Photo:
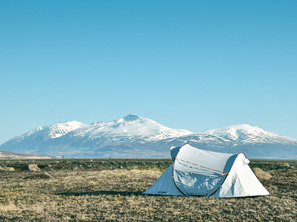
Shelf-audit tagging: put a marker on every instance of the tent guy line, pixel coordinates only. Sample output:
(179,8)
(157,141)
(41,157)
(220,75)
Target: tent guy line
(221,172)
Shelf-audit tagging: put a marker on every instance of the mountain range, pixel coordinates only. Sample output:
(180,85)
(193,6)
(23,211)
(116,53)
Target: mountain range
(136,137)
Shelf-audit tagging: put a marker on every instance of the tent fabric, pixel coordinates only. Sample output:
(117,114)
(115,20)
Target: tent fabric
(164,185)
(174,151)
(196,172)
(241,181)
(200,172)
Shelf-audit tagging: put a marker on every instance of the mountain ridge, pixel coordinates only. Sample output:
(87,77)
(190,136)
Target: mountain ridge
(135,136)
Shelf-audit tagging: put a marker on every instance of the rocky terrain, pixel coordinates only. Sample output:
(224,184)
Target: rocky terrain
(111,190)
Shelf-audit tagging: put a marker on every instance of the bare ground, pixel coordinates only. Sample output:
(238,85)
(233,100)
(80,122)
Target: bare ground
(113,192)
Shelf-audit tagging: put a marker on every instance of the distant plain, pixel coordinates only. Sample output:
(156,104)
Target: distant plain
(111,190)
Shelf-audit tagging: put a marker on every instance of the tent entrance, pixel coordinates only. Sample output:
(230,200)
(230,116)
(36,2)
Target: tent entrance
(194,181)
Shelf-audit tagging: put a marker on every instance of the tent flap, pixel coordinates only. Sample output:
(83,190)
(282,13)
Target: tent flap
(164,185)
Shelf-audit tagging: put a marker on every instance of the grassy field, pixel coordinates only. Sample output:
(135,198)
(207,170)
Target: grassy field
(111,190)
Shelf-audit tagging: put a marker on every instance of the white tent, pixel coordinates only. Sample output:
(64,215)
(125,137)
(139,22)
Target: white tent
(196,172)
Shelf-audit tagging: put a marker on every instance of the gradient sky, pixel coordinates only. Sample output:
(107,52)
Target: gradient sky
(194,65)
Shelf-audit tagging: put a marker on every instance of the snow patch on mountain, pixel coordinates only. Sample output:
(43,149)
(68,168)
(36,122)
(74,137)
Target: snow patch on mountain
(130,126)
(247,134)
(51,132)
(61,129)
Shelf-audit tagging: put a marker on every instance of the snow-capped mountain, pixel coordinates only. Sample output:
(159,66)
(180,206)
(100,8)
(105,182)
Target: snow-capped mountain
(245,134)
(130,126)
(53,131)
(135,136)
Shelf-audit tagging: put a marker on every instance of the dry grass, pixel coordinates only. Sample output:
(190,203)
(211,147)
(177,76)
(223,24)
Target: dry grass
(86,194)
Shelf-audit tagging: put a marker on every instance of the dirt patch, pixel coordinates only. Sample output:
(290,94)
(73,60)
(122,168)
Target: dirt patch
(262,175)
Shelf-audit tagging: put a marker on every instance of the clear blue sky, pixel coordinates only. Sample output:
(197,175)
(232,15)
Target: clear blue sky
(186,64)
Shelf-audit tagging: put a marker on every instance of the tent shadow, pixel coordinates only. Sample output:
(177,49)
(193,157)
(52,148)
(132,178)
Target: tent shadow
(101,192)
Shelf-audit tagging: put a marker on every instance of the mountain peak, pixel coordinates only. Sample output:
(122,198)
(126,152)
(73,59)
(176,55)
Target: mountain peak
(131,117)
(72,123)
(245,133)
(238,127)
(61,129)
(133,126)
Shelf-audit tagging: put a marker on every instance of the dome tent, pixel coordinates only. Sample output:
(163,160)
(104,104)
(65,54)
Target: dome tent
(196,172)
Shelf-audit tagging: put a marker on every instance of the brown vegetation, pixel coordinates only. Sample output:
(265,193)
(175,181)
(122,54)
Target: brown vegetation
(111,190)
